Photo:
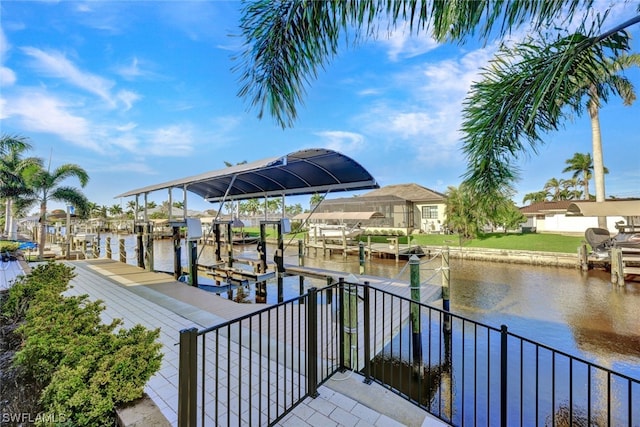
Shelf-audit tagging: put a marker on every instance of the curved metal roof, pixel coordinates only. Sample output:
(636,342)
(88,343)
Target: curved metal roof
(309,171)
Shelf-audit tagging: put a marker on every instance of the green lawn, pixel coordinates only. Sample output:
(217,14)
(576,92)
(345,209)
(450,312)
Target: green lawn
(516,241)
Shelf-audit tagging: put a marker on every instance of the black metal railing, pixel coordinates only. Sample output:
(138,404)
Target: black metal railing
(256,369)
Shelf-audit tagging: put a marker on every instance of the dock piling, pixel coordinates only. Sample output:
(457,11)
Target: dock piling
(416,336)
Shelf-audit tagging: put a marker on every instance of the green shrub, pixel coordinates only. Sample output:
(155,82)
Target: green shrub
(9,246)
(84,367)
(50,277)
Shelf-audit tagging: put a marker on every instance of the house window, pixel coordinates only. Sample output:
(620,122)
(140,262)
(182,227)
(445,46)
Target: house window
(429,212)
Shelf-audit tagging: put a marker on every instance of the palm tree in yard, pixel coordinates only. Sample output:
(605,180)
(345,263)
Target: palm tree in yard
(538,196)
(47,186)
(581,164)
(12,168)
(596,90)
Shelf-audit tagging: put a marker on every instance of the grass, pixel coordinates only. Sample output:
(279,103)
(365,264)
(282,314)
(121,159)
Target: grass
(508,241)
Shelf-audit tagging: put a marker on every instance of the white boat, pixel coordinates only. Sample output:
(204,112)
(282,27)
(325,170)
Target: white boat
(329,231)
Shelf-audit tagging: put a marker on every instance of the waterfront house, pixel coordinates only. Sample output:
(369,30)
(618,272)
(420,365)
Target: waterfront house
(404,207)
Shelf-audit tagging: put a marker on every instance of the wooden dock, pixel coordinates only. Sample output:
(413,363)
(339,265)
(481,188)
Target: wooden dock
(393,249)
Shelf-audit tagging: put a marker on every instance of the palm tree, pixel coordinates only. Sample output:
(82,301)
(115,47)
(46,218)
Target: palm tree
(582,167)
(46,186)
(536,197)
(286,44)
(524,95)
(115,210)
(596,90)
(554,187)
(12,168)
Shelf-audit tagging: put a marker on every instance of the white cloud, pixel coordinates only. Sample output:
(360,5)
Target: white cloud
(55,64)
(401,43)
(39,112)
(342,141)
(128,98)
(7,76)
(175,140)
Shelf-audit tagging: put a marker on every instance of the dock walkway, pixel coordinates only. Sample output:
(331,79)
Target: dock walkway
(157,300)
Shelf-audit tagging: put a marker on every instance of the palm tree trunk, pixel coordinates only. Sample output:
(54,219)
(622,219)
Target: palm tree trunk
(7,216)
(598,162)
(43,229)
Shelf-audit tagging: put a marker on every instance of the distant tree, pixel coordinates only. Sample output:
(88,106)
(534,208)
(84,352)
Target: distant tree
(47,186)
(12,169)
(293,210)
(115,210)
(536,197)
(463,212)
(315,200)
(274,205)
(554,187)
(582,167)
(179,205)
(508,216)
(251,207)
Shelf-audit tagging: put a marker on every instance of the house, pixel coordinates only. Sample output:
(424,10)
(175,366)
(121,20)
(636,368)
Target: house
(552,217)
(405,207)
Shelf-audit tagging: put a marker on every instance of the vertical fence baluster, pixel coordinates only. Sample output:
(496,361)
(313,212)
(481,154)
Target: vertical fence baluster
(503,375)
(187,378)
(367,335)
(312,343)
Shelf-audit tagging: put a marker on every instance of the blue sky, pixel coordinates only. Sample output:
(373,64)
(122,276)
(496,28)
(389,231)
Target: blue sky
(140,93)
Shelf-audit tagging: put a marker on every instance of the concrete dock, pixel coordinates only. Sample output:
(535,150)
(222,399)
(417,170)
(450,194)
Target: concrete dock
(157,300)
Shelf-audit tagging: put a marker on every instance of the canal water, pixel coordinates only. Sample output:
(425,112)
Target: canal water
(580,313)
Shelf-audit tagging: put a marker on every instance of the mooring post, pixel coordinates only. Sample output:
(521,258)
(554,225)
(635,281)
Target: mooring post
(361,256)
(123,251)
(139,246)
(350,315)
(583,256)
(416,336)
(300,253)
(149,246)
(617,267)
(446,282)
(177,252)
(108,248)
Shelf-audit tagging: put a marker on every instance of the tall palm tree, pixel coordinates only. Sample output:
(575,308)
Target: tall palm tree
(581,164)
(596,91)
(12,168)
(47,186)
(524,94)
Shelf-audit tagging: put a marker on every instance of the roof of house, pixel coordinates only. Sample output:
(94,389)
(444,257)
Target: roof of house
(412,192)
(546,206)
(585,207)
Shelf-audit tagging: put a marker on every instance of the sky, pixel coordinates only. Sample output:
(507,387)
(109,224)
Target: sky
(139,93)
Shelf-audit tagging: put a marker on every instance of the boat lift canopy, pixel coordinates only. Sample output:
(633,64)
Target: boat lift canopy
(609,208)
(307,171)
